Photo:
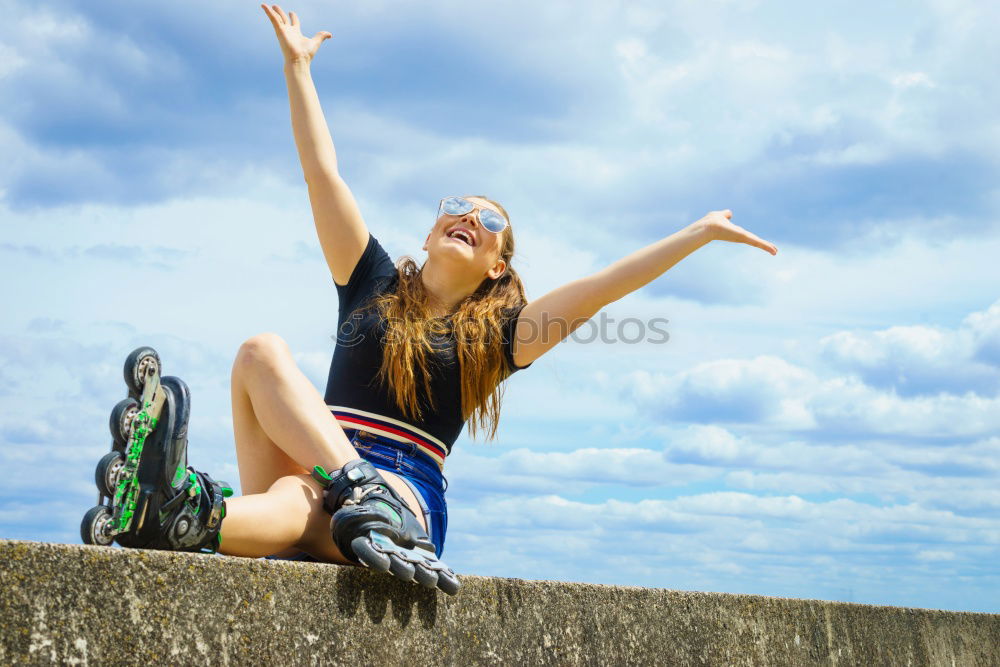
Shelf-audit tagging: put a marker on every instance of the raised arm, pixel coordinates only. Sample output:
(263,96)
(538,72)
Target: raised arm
(341,229)
(546,321)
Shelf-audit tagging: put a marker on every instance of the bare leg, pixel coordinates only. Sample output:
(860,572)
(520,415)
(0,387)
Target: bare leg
(282,428)
(276,407)
(289,514)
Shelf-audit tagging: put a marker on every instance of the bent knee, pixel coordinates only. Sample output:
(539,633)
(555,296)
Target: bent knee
(299,495)
(266,349)
(301,485)
(314,535)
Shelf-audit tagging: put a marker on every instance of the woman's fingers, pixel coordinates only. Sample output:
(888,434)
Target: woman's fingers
(754,240)
(277,20)
(279,27)
(281,13)
(764,245)
(271,15)
(293,18)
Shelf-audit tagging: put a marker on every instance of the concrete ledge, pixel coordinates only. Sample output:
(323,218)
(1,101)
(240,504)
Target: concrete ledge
(99,605)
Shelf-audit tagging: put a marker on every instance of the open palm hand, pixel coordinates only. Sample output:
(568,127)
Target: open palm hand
(294,45)
(721,228)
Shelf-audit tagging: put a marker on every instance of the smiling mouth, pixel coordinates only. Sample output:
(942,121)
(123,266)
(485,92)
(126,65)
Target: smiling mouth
(462,236)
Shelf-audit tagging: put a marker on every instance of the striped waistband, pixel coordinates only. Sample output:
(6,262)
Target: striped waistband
(391,428)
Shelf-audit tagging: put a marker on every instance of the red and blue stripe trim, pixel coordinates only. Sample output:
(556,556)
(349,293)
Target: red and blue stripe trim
(391,428)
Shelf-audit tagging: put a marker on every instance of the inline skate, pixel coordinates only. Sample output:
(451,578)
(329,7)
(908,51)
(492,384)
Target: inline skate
(373,526)
(148,496)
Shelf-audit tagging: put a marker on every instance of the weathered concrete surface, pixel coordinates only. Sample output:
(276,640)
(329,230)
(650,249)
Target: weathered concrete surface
(74,604)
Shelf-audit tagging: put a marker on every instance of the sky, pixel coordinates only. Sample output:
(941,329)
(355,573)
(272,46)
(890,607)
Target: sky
(822,424)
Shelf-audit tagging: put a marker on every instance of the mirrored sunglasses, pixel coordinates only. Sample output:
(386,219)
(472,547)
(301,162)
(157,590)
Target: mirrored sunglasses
(488,218)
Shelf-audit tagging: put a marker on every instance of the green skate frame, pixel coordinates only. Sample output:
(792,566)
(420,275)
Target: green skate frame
(151,405)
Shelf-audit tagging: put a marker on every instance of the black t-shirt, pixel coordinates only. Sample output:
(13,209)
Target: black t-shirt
(353,391)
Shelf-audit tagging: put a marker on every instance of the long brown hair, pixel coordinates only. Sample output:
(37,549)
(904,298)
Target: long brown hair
(476,327)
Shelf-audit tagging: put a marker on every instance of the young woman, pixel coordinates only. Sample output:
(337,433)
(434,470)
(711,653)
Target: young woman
(421,351)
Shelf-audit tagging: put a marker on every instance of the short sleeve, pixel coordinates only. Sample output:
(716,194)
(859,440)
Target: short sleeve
(509,327)
(373,267)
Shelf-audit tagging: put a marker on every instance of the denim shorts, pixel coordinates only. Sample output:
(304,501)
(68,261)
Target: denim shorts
(418,470)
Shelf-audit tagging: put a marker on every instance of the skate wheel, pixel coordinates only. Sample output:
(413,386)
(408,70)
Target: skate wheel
(108,471)
(424,577)
(401,569)
(364,550)
(121,422)
(139,366)
(448,582)
(96,526)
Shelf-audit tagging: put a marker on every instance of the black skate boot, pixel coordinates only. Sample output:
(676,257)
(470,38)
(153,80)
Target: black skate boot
(155,500)
(372,526)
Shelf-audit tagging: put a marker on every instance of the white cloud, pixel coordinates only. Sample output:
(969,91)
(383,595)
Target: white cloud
(907,372)
(921,359)
(687,542)
(984,330)
(725,390)
(10,60)
(910,79)
(521,470)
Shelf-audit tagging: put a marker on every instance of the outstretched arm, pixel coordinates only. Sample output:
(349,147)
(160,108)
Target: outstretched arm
(342,231)
(549,319)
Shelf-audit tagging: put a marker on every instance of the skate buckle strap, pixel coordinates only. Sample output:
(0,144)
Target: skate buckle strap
(347,485)
(216,516)
(218,495)
(322,476)
(196,483)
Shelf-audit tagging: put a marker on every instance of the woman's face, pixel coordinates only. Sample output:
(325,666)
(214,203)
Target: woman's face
(447,240)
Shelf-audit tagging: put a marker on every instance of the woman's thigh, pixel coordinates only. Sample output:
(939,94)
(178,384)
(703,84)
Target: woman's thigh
(261,462)
(281,422)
